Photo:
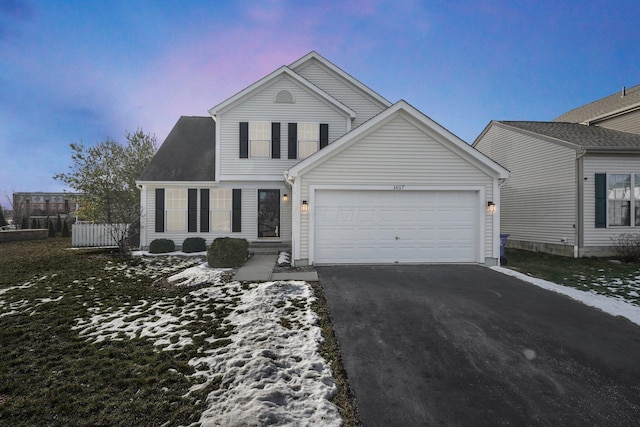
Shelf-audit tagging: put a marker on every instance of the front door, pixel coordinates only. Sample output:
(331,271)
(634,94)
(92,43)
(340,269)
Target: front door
(268,213)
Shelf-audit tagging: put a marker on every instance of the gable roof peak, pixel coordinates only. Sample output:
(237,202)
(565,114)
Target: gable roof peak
(283,70)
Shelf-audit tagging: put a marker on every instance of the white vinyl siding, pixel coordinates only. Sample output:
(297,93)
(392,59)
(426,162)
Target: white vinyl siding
(538,200)
(261,107)
(364,106)
(249,216)
(609,164)
(398,154)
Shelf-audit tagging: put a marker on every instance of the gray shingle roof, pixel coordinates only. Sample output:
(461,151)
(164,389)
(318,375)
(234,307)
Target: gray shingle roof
(602,106)
(589,137)
(187,154)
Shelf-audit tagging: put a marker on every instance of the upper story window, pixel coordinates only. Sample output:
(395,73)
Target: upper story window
(260,139)
(308,139)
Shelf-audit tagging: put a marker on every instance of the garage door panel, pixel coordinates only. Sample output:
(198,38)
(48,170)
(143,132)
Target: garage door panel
(395,226)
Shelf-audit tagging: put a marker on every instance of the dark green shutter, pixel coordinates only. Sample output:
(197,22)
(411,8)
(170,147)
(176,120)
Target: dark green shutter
(236,211)
(275,140)
(244,140)
(204,210)
(293,140)
(601,200)
(192,210)
(159,210)
(324,135)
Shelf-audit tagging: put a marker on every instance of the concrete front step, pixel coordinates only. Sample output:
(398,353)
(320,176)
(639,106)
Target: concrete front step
(268,247)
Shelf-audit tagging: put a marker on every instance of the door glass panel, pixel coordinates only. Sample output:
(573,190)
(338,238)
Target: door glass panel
(268,213)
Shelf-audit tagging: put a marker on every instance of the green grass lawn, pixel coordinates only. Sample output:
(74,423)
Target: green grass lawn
(60,366)
(601,276)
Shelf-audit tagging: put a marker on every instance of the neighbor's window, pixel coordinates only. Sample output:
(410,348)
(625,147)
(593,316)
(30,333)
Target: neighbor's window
(220,210)
(260,139)
(636,198)
(619,195)
(176,207)
(308,139)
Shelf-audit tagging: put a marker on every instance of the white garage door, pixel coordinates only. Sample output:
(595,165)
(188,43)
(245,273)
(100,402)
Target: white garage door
(395,226)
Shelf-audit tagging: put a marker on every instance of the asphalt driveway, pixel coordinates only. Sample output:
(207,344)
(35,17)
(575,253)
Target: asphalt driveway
(465,345)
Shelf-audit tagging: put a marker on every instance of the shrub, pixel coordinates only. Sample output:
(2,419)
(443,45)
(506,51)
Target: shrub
(24,223)
(228,252)
(194,244)
(65,229)
(162,246)
(3,220)
(626,247)
(34,224)
(58,224)
(52,230)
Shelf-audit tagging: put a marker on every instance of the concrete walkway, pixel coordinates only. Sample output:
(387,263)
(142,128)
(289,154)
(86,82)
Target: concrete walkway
(259,268)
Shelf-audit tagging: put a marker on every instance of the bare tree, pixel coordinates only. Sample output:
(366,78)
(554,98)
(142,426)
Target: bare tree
(105,175)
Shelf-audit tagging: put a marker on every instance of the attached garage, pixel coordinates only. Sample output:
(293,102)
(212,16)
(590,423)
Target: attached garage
(398,189)
(378,226)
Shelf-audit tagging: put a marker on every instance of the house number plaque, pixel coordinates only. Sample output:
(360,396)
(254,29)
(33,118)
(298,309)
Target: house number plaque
(398,187)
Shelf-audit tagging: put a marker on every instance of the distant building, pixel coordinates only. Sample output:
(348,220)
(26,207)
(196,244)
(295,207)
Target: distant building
(42,205)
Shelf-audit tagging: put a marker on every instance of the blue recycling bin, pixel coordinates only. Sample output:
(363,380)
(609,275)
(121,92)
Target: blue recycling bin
(503,243)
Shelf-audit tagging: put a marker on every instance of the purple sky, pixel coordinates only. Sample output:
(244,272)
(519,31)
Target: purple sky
(82,71)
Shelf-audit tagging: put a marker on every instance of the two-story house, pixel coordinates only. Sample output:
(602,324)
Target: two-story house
(575,181)
(311,157)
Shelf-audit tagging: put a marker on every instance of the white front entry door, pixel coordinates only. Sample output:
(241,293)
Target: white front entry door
(362,226)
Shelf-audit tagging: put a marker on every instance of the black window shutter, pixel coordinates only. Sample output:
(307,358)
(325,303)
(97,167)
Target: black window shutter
(236,212)
(324,135)
(601,200)
(275,140)
(159,210)
(293,140)
(192,210)
(204,210)
(244,140)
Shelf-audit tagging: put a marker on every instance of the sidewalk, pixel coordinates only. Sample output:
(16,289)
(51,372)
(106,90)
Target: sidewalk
(259,268)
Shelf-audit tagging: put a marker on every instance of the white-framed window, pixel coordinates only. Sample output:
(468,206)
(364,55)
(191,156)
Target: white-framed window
(176,209)
(260,139)
(220,205)
(623,193)
(308,139)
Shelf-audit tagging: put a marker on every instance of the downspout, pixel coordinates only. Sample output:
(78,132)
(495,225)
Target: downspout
(579,220)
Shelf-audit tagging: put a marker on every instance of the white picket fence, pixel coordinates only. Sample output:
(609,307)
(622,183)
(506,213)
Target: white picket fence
(96,235)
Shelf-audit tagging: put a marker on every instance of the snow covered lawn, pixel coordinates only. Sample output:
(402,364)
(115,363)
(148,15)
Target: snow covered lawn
(266,360)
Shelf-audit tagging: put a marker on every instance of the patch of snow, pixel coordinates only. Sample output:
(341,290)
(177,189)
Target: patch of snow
(283,258)
(199,275)
(271,374)
(613,306)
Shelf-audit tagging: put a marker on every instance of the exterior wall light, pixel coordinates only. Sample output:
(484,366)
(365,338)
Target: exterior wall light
(285,198)
(491,207)
(304,207)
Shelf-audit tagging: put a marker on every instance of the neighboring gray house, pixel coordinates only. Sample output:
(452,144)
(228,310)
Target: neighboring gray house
(312,158)
(575,181)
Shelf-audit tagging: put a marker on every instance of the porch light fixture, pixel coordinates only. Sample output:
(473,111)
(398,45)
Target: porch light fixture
(304,207)
(285,198)
(491,207)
